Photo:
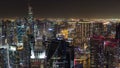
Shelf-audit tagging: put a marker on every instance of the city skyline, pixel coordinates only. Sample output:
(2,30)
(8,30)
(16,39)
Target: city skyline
(61,8)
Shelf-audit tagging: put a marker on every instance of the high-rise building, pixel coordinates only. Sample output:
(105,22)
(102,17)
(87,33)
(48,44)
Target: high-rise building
(82,33)
(30,13)
(60,54)
(4,31)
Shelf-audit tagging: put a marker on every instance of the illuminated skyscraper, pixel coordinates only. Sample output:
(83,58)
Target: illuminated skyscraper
(30,12)
(82,32)
(25,35)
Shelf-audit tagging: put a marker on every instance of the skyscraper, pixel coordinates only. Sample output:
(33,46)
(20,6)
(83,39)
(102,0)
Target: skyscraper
(30,12)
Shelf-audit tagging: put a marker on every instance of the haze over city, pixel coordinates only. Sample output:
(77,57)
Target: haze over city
(62,8)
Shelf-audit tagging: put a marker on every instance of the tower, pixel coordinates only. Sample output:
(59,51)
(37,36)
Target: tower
(30,12)
(30,19)
(26,34)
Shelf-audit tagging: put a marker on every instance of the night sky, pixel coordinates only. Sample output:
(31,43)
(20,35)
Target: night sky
(62,8)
